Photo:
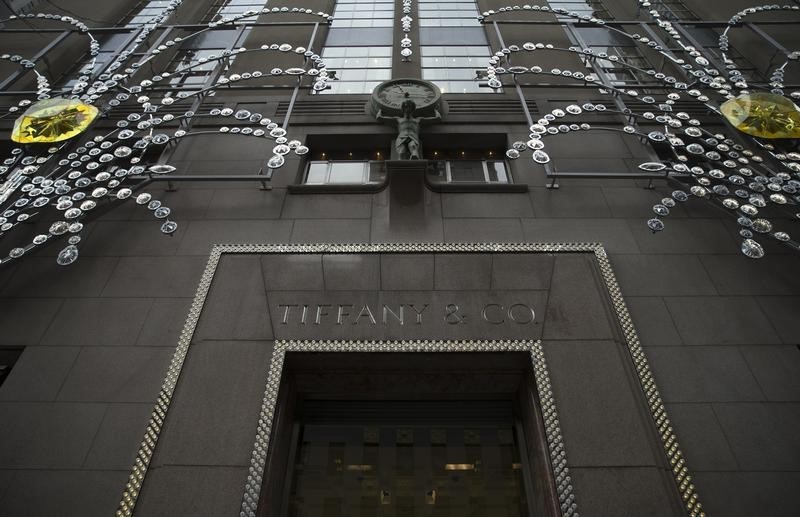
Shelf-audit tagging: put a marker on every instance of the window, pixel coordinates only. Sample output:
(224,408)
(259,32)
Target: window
(454,67)
(618,50)
(618,73)
(467,158)
(674,10)
(447,13)
(358,48)
(109,47)
(453,46)
(581,7)
(471,171)
(147,11)
(483,171)
(709,40)
(320,173)
(363,13)
(358,69)
(196,75)
(200,51)
(356,172)
(230,8)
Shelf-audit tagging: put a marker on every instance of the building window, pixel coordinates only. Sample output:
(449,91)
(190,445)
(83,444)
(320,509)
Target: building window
(230,8)
(447,13)
(195,60)
(454,67)
(709,40)
(195,71)
(675,10)
(363,13)
(470,171)
(345,172)
(358,48)
(452,48)
(619,74)
(621,54)
(358,69)
(146,12)
(109,48)
(483,171)
(467,158)
(581,7)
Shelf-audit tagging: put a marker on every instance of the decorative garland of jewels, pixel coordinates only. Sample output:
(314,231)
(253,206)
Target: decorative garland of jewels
(743,172)
(76,175)
(754,168)
(405,43)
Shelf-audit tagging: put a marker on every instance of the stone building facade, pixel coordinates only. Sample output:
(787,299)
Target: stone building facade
(567,292)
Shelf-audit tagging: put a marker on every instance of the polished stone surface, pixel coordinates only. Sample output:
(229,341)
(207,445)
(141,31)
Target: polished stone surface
(361,296)
(732,354)
(215,408)
(720,330)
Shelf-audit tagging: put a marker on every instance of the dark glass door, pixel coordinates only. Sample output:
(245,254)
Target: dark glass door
(406,459)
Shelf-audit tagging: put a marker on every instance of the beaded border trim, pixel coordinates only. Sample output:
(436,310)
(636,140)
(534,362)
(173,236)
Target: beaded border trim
(555,443)
(669,441)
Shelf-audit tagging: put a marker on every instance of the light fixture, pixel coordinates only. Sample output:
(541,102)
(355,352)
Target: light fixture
(359,468)
(459,466)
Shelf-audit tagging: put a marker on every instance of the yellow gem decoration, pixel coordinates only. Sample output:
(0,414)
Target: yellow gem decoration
(53,120)
(765,115)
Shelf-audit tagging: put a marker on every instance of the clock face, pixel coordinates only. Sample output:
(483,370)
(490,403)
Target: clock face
(392,94)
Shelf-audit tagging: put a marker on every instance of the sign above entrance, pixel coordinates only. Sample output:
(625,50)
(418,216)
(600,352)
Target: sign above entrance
(402,314)
(484,314)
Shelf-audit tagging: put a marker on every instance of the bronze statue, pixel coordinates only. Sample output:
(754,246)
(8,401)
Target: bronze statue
(407,145)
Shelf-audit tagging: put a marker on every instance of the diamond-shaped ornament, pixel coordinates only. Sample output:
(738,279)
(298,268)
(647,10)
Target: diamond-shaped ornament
(53,120)
(763,115)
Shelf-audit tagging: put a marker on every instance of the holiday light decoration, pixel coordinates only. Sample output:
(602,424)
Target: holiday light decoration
(69,166)
(748,166)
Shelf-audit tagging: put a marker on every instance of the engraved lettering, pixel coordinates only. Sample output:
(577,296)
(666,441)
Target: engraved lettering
(321,312)
(523,315)
(342,314)
(365,311)
(418,311)
(497,310)
(451,315)
(492,313)
(387,311)
(287,310)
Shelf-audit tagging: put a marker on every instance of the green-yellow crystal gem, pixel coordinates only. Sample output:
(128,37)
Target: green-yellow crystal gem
(53,120)
(765,115)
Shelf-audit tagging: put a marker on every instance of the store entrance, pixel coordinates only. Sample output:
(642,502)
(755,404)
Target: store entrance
(407,435)
(407,458)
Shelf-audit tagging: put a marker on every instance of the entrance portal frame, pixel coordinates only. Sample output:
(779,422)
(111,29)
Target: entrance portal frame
(663,426)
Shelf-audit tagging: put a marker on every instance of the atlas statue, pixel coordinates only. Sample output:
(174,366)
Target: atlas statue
(407,145)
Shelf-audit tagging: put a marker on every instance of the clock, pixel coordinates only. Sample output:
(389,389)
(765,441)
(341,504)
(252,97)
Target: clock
(389,96)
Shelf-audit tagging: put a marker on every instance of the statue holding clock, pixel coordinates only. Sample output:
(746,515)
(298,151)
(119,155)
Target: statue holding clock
(407,102)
